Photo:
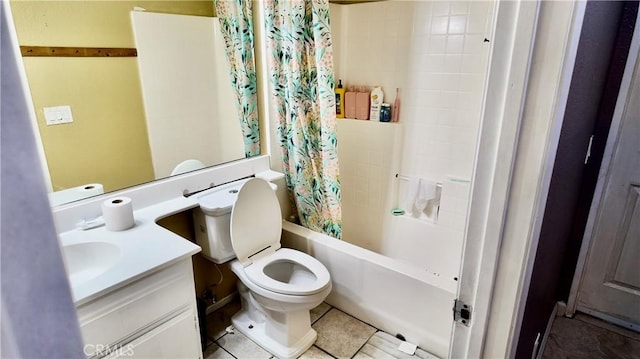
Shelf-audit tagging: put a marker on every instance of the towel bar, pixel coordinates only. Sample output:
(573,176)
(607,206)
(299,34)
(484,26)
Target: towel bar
(406,178)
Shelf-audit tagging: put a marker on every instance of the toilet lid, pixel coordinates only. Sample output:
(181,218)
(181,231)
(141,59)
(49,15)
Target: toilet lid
(256,221)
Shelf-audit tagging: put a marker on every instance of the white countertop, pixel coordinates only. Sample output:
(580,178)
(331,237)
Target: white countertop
(145,248)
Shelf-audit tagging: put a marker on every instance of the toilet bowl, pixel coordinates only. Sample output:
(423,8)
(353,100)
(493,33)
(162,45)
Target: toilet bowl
(278,286)
(277,321)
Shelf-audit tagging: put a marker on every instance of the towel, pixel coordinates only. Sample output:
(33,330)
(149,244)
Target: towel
(426,191)
(417,194)
(410,194)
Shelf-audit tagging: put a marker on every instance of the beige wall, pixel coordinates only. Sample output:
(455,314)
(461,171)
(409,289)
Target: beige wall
(107,142)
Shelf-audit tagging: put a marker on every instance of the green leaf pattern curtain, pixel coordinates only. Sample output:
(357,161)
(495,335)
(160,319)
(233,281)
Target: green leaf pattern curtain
(301,72)
(235,18)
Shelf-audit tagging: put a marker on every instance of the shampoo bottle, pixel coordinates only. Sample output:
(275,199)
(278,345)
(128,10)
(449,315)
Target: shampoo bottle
(362,104)
(339,100)
(376,103)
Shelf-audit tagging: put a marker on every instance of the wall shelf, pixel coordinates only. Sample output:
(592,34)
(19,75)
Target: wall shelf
(366,121)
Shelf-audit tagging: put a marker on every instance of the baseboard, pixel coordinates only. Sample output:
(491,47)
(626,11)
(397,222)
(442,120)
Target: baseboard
(221,303)
(607,318)
(539,350)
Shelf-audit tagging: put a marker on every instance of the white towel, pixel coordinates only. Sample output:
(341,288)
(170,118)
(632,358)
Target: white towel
(410,194)
(426,191)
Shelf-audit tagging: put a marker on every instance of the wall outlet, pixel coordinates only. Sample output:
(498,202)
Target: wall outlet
(57,115)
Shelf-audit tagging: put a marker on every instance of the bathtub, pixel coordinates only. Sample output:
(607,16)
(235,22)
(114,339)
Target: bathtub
(388,294)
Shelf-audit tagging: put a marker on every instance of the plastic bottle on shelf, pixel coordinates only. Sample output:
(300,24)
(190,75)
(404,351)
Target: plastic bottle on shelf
(340,100)
(377,97)
(350,103)
(362,103)
(385,112)
(395,112)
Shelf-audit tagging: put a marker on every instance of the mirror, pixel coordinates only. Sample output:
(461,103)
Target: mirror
(112,141)
(435,53)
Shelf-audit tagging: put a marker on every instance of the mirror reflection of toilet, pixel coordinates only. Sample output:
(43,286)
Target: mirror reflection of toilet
(278,286)
(187,166)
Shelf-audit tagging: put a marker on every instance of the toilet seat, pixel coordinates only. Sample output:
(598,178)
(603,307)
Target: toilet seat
(306,286)
(256,228)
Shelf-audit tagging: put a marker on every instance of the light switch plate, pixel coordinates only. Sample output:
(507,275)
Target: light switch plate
(57,115)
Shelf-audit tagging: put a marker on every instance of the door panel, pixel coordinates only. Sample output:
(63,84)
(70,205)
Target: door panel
(611,282)
(625,264)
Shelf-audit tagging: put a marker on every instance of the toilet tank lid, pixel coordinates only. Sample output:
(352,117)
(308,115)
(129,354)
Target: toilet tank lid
(218,203)
(221,202)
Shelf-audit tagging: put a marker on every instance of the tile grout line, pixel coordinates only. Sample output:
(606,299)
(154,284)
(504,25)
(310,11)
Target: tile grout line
(360,320)
(323,314)
(210,341)
(366,342)
(228,352)
(317,320)
(223,348)
(324,351)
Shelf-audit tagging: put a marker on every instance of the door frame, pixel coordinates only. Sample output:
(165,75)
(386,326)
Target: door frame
(607,161)
(512,157)
(514,29)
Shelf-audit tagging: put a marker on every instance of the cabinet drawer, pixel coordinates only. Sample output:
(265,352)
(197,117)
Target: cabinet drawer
(113,318)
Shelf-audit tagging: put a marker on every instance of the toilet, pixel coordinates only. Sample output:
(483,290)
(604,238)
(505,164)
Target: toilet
(278,286)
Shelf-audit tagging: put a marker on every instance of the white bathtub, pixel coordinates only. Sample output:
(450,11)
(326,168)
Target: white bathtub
(386,293)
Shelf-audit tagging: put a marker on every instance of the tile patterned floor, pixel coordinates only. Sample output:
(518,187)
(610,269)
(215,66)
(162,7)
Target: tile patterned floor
(331,330)
(587,337)
(339,336)
(343,336)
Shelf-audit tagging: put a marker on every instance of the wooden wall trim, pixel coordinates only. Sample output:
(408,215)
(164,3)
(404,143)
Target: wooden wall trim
(59,51)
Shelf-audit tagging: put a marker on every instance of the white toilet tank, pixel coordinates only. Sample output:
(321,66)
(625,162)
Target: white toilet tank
(212,221)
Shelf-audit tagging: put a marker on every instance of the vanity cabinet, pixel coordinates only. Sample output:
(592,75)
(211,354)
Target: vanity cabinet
(154,316)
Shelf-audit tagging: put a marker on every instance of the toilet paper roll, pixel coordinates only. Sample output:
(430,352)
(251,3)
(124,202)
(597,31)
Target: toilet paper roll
(118,214)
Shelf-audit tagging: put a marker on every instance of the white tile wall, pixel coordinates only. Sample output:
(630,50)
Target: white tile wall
(435,52)
(369,154)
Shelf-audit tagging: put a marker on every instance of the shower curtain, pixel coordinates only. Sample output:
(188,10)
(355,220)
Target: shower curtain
(302,89)
(237,28)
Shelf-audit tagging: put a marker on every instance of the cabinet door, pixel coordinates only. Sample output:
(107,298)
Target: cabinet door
(177,338)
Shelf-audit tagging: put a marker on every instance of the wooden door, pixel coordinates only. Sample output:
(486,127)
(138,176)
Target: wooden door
(610,286)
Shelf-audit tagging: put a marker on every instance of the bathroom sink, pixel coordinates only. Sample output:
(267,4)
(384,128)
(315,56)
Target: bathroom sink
(85,261)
